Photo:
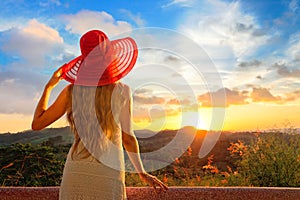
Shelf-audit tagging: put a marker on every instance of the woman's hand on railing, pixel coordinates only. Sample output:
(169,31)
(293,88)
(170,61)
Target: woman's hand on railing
(153,181)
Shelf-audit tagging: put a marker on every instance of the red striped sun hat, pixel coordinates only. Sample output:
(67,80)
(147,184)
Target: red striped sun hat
(101,61)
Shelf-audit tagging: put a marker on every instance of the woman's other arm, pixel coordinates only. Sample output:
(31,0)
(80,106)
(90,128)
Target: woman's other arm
(130,144)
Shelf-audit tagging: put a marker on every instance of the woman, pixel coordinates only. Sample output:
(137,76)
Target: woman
(98,109)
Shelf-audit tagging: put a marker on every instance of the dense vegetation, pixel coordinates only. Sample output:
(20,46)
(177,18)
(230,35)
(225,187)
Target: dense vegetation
(238,159)
(28,165)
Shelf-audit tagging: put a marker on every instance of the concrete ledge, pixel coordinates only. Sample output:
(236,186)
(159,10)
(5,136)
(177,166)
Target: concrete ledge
(178,193)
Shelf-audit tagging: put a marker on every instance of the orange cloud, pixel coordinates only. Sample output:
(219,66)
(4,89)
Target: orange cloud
(292,96)
(232,97)
(178,102)
(263,95)
(148,114)
(148,100)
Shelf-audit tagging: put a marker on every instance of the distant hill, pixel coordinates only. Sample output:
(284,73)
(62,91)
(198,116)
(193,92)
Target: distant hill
(149,141)
(62,135)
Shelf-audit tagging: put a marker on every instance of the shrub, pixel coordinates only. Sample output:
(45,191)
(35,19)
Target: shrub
(272,160)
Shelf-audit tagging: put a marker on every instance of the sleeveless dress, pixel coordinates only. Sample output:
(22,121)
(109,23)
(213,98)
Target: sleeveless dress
(97,177)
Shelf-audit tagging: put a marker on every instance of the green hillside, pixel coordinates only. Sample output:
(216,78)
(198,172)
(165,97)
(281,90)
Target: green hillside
(58,135)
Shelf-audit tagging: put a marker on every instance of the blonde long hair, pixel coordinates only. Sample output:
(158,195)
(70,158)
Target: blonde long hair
(86,101)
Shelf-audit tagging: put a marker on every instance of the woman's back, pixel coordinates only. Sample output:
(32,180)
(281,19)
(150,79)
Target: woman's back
(97,153)
(95,120)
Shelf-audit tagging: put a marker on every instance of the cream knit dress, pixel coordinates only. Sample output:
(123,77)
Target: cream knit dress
(91,178)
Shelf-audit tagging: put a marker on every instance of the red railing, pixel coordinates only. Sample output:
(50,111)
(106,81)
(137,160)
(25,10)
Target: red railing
(174,193)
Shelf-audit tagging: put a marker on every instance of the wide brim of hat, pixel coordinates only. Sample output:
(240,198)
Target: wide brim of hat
(125,54)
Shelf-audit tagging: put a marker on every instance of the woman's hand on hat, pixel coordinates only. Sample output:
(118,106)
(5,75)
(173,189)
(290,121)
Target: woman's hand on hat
(153,181)
(56,77)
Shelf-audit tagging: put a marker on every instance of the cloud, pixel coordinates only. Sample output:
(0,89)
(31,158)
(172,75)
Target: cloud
(19,91)
(34,42)
(7,24)
(232,98)
(293,5)
(173,60)
(179,102)
(137,19)
(148,100)
(224,30)
(85,20)
(142,91)
(293,51)
(292,96)
(150,113)
(181,3)
(263,95)
(260,94)
(162,69)
(284,71)
(253,63)
(259,77)
(235,97)
(48,3)
(149,109)
(33,49)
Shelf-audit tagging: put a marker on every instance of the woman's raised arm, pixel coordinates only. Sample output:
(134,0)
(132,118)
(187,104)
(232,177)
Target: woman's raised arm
(45,115)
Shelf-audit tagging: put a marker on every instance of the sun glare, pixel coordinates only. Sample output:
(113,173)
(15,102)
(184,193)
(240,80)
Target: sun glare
(195,119)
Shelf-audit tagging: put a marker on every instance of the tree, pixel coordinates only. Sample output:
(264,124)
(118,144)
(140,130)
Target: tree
(28,165)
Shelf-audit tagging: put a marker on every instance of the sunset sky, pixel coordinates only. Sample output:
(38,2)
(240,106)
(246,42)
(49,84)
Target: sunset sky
(213,64)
